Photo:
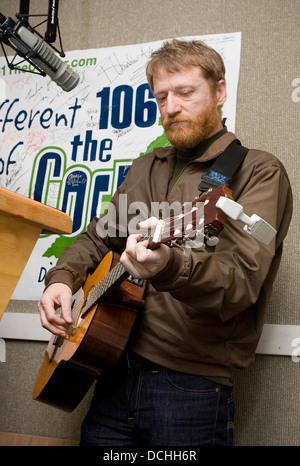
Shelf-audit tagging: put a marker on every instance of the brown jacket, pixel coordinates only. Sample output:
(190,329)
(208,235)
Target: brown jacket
(207,319)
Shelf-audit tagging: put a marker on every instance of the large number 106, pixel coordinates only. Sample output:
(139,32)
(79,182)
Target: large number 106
(118,108)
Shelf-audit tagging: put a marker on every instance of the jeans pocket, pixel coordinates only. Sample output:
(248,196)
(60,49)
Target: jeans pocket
(190,383)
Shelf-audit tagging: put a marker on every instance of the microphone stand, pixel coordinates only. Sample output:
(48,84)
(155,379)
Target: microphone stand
(9,28)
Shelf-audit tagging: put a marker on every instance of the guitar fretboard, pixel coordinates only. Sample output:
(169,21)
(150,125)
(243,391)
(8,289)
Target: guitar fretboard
(103,286)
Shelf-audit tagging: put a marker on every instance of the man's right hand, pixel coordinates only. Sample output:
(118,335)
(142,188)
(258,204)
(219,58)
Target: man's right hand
(56,295)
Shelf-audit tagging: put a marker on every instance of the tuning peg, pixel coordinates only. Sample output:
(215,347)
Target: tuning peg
(175,244)
(211,240)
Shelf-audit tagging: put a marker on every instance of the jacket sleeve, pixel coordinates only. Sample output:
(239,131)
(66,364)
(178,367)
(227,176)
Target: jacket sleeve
(85,254)
(78,259)
(229,279)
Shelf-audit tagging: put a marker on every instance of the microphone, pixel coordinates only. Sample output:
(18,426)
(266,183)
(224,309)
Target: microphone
(31,47)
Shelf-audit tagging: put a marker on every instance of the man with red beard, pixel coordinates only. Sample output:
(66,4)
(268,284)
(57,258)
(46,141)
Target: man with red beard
(204,307)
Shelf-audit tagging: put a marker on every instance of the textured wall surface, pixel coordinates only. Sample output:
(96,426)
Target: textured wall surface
(268,117)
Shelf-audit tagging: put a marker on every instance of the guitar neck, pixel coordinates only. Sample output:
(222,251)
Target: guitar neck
(166,232)
(113,278)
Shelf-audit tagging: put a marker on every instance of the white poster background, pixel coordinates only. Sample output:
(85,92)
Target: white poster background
(93,133)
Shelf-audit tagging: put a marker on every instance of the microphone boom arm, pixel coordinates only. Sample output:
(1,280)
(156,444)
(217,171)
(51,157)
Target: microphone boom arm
(21,37)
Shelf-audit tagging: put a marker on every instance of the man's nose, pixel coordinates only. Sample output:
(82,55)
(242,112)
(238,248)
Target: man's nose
(173,105)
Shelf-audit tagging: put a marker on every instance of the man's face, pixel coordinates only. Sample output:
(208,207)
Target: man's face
(188,106)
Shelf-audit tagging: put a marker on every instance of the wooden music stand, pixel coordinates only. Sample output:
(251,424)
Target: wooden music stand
(22,220)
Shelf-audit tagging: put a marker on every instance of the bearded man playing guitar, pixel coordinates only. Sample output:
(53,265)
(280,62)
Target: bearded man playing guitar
(202,310)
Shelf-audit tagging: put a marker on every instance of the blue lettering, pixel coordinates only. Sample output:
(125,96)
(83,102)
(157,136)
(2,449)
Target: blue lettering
(122,172)
(42,274)
(145,111)
(45,118)
(106,144)
(61,117)
(9,161)
(75,143)
(48,168)
(20,118)
(104,108)
(90,146)
(76,191)
(75,107)
(124,93)
(120,111)
(8,120)
(101,184)
(31,118)
(89,142)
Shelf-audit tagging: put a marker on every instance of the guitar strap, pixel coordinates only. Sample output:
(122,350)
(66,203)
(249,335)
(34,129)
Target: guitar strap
(224,167)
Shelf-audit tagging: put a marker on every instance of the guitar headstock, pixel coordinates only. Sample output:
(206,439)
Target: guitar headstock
(198,221)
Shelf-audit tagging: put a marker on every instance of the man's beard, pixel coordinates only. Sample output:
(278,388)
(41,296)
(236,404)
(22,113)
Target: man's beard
(192,131)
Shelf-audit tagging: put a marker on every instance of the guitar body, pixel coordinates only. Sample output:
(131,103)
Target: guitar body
(69,367)
(100,331)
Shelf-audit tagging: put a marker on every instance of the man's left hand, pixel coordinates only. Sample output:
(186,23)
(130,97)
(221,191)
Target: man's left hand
(140,261)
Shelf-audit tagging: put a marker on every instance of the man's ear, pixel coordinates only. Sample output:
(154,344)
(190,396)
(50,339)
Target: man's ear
(221,92)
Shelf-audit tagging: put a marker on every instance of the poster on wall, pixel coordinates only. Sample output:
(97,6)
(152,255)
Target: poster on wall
(71,150)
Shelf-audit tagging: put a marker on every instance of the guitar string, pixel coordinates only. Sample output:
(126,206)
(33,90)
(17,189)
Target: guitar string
(114,274)
(95,294)
(171,222)
(180,220)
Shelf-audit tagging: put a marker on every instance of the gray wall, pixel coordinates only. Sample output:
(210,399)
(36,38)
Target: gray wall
(268,393)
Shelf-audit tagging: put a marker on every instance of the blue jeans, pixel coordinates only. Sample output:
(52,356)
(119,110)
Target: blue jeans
(141,403)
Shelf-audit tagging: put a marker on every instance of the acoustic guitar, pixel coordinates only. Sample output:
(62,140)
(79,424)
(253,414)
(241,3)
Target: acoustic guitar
(105,310)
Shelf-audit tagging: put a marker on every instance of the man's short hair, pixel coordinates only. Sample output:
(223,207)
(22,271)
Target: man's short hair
(178,54)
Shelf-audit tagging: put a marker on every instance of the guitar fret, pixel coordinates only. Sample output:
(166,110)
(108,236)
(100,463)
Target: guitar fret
(103,286)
